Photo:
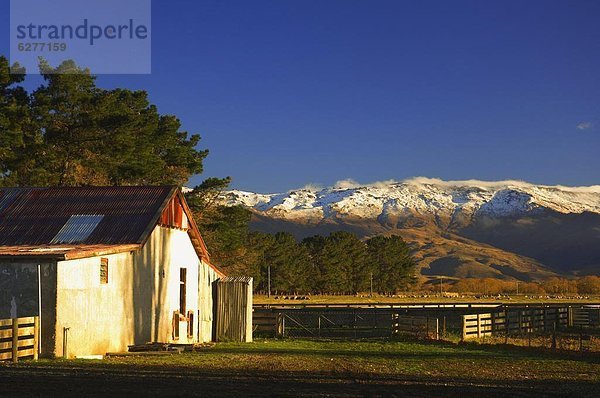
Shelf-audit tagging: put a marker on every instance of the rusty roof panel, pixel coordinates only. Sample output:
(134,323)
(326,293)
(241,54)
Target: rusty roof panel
(34,216)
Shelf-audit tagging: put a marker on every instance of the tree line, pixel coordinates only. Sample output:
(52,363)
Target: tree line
(340,263)
(556,286)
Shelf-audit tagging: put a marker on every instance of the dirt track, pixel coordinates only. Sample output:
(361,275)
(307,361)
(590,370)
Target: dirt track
(40,381)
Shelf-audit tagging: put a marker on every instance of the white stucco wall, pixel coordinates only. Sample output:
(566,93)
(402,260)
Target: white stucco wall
(138,303)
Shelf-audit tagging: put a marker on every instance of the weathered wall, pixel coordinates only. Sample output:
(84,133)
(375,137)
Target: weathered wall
(138,303)
(206,285)
(157,266)
(100,317)
(19,293)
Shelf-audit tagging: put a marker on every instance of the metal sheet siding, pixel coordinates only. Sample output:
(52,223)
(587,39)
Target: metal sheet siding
(234,309)
(34,216)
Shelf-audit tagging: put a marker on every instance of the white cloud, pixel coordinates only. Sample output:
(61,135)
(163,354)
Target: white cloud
(310,187)
(584,125)
(348,183)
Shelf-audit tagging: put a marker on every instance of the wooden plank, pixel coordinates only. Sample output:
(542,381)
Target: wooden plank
(27,320)
(7,345)
(5,355)
(8,334)
(27,342)
(26,353)
(6,322)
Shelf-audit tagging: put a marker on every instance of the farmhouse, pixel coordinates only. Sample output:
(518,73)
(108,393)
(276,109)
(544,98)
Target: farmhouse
(105,267)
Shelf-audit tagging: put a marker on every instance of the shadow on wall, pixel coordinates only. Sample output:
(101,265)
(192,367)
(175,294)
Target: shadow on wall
(150,276)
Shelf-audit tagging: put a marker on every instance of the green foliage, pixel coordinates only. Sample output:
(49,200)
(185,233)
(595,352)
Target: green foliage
(392,262)
(69,132)
(338,263)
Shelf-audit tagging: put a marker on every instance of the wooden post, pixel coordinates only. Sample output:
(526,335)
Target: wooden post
(464,325)
(521,323)
(319,325)
(478,325)
(36,337)
(506,325)
(15,339)
(570,316)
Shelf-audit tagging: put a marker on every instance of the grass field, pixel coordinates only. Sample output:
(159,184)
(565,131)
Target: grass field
(315,368)
(416,298)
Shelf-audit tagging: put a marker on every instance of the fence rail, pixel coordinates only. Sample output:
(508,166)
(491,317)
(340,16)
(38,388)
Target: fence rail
(19,338)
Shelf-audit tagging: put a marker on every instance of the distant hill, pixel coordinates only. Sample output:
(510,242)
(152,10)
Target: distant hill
(505,229)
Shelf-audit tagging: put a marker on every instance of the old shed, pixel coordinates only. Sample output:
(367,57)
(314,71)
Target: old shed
(105,267)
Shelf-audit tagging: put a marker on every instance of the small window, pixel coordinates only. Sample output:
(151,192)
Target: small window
(175,325)
(190,325)
(182,290)
(103,271)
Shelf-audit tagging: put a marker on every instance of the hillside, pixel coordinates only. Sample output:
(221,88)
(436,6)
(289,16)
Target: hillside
(505,229)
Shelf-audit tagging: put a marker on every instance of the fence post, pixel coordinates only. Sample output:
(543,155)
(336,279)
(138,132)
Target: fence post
(464,326)
(478,326)
(36,337)
(319,325)
(437,328)
(506,324)
(283,325)
(554,337)
(521,323)
(15,339)
(570,316)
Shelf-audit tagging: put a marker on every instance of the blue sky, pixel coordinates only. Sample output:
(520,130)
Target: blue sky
(286,93)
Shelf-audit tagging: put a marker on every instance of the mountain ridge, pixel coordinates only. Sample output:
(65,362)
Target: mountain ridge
(516,226)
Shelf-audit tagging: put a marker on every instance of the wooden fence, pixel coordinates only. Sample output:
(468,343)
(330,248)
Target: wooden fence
(327,323)
(513,321)
(19,338)
(420,326)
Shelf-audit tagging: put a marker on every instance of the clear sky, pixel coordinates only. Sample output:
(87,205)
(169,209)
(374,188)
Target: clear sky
(290,92)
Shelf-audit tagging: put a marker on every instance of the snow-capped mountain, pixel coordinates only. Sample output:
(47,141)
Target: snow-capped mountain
(507,229)
(423,196)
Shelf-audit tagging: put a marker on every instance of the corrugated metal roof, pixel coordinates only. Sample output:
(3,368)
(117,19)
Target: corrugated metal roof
(235,279)
(64,252)
(34,216)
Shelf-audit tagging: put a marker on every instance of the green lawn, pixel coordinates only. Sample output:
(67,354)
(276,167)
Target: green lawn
(314,368)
